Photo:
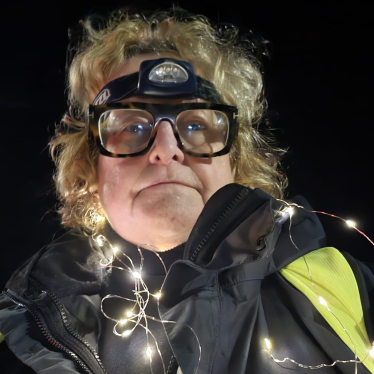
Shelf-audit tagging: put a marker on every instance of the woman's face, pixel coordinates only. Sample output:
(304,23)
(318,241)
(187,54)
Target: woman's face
(156,198)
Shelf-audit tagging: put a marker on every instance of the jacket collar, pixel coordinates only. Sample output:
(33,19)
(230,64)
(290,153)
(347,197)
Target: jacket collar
(237,224)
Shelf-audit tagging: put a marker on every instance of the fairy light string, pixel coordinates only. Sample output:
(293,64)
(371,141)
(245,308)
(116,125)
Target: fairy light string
(315,367)
(136,316)
(349,223)
(290,211)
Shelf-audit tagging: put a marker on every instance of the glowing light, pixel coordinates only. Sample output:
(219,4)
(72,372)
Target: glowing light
(290,211)
(142,297)
(371,352)
(268,344)
(136,275)
(149,351)
(126,333)
(322,301)
(350,223)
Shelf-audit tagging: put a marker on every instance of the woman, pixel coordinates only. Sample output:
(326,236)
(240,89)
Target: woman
(182,256)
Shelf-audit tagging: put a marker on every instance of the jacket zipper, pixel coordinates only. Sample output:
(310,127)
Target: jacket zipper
(233,204)
(91,364)
(172,368)
(58,331)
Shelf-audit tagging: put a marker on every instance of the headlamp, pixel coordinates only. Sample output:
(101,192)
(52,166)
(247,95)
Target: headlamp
(164,77)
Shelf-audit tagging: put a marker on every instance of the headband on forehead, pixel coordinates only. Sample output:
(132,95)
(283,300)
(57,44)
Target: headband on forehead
(165,78)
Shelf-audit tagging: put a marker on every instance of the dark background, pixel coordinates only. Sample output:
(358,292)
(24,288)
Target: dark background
(319,85)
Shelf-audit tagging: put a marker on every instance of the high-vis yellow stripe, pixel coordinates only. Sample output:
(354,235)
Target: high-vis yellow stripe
(335,282)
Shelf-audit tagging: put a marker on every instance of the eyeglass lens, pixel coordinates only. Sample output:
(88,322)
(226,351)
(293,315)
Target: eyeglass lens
(127,131)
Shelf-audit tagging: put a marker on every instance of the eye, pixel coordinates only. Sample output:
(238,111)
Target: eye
(195,127)
(135,128)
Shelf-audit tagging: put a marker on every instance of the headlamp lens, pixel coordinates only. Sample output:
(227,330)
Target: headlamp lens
(168,72)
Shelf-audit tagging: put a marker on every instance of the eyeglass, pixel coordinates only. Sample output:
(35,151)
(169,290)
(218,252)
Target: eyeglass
(129,130)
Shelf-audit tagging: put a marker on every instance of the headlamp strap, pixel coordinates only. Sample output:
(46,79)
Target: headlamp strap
(164,77)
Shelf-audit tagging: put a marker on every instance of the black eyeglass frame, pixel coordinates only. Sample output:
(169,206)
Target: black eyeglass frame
(158,112)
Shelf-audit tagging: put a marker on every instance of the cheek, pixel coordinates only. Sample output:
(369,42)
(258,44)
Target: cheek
(107,179)
(112,181)
(214,175)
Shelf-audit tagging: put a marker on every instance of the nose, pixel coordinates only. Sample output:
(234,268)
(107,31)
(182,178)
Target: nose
(165,147)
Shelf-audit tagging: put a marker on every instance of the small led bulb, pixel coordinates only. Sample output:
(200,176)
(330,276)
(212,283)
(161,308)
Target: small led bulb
(157,295)
(322,301)
(290,211)
(350,223)
(371,352)
(115,250)
(136,275)
(126,333)
(149,351)
(123,321)
(129,314)
(268,344)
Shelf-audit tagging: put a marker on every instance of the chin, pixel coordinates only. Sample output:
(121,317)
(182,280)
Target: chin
(163,225)
(170,217)
(168,205)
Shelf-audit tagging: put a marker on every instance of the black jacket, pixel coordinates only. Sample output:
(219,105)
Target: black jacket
(227,291)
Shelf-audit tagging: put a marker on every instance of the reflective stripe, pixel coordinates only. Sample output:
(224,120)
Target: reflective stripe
(333,280)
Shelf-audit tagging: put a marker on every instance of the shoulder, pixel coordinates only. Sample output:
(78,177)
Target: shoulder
(70,268)
(70,265)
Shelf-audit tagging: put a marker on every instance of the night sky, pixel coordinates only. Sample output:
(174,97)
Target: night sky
(319,84)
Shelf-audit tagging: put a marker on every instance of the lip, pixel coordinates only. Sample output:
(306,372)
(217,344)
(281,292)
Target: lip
(159,177)
(165,182)
(154,182)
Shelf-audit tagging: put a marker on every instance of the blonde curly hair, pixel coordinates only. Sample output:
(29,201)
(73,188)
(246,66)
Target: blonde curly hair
(218,56)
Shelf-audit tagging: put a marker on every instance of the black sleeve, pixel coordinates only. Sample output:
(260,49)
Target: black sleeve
(10,364)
